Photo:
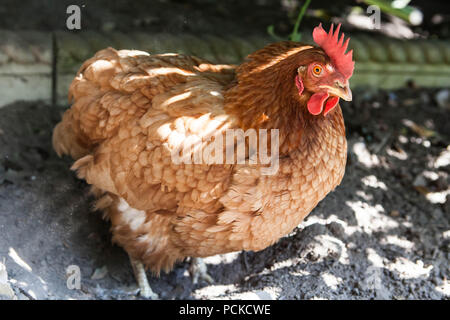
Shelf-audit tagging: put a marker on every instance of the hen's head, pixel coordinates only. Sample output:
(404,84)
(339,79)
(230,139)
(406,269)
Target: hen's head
(326,71)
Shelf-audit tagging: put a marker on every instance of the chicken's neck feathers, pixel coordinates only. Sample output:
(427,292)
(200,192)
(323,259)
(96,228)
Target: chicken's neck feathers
(264,95)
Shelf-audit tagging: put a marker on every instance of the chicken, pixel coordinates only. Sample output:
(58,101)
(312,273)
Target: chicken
(132,112)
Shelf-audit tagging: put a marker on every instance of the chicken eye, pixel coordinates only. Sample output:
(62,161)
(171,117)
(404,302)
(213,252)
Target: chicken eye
(317,70)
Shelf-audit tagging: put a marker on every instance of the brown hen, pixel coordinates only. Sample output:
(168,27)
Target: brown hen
(131,112)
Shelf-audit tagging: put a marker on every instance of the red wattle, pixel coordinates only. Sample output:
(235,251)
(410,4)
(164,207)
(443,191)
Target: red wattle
(331,103)
(315,103)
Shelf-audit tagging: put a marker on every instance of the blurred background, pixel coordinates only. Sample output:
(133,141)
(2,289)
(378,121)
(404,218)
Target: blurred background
(383,234)
(214,16)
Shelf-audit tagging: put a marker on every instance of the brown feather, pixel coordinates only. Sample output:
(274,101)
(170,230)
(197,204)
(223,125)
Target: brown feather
(131,110)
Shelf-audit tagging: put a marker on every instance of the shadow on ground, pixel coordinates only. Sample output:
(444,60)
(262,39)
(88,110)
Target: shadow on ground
(384,233)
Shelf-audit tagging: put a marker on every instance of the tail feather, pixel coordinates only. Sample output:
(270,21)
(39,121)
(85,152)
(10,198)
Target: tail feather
(66,142)
(81,166)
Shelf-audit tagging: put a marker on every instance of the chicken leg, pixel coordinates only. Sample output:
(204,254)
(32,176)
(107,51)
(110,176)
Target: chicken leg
(198,270)
(141,279)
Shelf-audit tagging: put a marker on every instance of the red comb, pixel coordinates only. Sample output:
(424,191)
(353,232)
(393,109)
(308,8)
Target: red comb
(335,48)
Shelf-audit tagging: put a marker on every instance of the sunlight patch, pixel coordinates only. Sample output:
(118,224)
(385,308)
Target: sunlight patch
(13,254)
(214,291)
(443,159)
(409,270)
(438,197)
(222,258)
(364,156)
(331,280)
(371,218)
(444,288)
(395,240)
(372,181)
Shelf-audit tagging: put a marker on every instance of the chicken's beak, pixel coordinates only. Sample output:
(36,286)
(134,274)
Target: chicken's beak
(341,90)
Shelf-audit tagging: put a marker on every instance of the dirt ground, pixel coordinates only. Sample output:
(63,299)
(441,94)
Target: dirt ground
(383,234)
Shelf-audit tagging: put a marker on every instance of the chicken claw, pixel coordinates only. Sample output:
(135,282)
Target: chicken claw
(141,279)
(198,270)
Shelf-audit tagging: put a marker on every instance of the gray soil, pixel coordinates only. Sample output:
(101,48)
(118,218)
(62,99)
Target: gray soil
(378,236)
(383,234)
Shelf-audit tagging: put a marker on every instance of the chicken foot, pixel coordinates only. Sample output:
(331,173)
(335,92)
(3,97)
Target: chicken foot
(141,279)
(198,270)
